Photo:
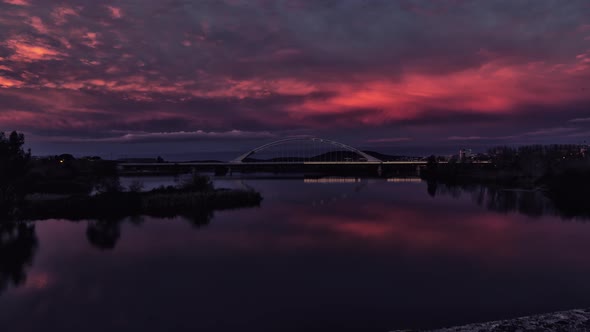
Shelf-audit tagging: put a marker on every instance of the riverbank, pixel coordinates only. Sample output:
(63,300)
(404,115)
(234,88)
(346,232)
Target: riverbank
(484,174)
(571,321)
(575,172)
(568,188)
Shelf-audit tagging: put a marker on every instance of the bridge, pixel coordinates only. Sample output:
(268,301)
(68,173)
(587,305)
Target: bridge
(293,151)
(302,153)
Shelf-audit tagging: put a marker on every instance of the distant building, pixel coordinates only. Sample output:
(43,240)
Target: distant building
(465,154)
(584,151)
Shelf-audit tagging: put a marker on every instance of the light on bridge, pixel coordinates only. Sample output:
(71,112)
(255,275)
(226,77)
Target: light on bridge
(332,180)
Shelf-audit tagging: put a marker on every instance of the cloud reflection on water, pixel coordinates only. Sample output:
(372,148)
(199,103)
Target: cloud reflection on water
(382,257)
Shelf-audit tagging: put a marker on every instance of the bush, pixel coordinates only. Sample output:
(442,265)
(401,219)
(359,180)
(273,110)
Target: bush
(109,185)
(136,186)
(197,183)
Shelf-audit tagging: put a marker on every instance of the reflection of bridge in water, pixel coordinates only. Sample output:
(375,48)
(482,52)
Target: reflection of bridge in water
(290,154)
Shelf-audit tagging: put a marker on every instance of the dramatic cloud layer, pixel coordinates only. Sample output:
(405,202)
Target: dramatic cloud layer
(370,73)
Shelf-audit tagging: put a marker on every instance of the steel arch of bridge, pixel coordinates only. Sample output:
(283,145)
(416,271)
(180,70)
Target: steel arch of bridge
(241,158)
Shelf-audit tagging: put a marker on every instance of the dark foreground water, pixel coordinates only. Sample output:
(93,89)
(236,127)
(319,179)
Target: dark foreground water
(372,255)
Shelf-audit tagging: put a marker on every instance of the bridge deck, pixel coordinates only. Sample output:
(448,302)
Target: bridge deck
(229,164)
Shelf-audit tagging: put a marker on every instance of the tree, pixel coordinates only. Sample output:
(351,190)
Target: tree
(13,167)
(13,158)
(18,245)
(197,183)
(431,162)
(135,186)
(104,234)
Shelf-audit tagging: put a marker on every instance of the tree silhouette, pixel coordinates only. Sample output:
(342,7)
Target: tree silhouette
(431,188)
(199,218)
(13,167)
(431,162)
(13,158)
(104,234)
(18,244)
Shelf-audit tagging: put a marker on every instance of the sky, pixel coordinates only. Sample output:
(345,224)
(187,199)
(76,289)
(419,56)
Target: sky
(149,77)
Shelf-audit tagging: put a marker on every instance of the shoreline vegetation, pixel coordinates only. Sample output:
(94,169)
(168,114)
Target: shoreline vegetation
(168,203)
(526,167)
(63,187)
(560,172)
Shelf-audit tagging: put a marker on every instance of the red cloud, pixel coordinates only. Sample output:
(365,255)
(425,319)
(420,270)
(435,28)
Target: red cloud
(18,2)
(28,50)
(60,14)
(115,12)
(9,83)
(91,39)
(38,25)
(494,87)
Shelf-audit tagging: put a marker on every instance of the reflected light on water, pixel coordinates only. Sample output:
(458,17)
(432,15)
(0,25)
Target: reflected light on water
(332,180)
(404,180)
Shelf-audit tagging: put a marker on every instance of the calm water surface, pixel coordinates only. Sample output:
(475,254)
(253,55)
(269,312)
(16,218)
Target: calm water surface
(365,255)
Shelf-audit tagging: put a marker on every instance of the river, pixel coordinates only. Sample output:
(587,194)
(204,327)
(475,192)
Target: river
(339,254)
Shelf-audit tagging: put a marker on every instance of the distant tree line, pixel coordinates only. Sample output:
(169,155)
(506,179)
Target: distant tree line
(537,160)
(560,171)
(21,175)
